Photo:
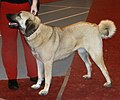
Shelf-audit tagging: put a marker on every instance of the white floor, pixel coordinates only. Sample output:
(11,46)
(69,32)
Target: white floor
(59,13)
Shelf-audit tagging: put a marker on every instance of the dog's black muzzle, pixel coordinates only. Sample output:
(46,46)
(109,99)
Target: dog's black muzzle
(12,22)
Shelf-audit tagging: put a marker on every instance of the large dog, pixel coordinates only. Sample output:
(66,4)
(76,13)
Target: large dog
(49,44)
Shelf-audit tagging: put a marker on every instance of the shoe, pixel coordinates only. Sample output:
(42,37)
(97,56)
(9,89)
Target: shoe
(12,84)
(43,82)
(34,79)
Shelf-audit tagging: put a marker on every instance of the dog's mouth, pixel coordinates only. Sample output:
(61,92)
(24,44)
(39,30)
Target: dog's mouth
(13,25)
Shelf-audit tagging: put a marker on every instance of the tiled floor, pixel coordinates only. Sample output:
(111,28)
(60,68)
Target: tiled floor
(61,13)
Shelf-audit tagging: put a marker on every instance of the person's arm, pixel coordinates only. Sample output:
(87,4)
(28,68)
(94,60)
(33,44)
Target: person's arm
(34,9)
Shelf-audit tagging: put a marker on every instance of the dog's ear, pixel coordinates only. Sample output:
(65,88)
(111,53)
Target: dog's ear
(30,27)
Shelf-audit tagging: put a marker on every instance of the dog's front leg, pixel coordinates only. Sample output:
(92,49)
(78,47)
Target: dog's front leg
(48,77)
(40,67)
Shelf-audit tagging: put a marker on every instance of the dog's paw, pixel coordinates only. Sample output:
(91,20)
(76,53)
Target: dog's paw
(43,92)
(107,85)
(35,86)
(86,76)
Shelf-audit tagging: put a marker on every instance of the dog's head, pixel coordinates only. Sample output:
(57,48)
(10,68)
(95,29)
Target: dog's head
(25,21)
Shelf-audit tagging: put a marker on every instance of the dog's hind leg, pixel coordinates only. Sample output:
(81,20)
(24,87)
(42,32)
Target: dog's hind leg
(85,57)
(97,57)
(40,67)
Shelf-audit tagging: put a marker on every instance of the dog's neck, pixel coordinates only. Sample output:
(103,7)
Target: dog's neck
(42,34)
(36,32)
(37,21)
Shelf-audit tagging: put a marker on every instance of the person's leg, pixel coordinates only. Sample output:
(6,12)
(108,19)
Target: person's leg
(9,48)
(9,52)
(30,59)
(0,18)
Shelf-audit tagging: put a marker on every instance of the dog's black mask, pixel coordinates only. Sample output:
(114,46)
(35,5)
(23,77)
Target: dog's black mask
(12,22)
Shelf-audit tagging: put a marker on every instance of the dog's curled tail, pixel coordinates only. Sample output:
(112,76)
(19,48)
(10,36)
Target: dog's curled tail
(107,28)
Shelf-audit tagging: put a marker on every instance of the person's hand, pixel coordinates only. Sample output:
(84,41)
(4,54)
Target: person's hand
(34,9)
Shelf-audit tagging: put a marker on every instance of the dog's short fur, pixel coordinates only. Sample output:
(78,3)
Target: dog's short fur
(49,44)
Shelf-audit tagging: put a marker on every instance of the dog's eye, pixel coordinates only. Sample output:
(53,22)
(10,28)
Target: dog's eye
(19,14)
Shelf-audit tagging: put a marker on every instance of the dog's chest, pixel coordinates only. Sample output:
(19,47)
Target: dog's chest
(35,54)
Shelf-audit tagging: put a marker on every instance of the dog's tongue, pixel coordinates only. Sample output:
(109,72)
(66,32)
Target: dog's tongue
(13,25)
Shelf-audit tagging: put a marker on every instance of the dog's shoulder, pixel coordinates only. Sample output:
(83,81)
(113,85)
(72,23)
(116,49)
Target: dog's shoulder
(58,30)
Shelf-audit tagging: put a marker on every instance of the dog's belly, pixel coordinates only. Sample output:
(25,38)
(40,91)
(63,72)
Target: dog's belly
(65,49)
(61,54)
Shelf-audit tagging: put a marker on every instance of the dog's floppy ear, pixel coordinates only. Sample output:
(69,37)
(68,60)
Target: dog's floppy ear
(30,27)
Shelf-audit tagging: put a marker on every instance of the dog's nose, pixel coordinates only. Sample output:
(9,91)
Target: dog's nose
(9,15)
